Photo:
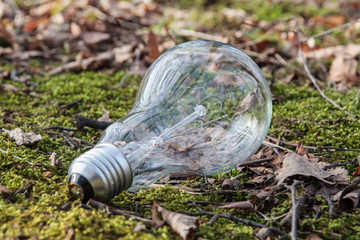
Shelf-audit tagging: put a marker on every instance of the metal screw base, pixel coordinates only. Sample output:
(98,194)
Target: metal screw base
(105,168)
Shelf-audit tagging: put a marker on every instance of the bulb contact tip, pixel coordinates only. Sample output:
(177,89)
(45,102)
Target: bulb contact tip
(80,188)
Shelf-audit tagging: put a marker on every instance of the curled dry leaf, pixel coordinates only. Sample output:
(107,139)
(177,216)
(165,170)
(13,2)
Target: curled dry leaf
(349,201)
(244,205)
(22,138)
(343,71)
(94,37)
(184,225)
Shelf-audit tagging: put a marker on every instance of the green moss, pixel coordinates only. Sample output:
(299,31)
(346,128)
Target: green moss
(302,116)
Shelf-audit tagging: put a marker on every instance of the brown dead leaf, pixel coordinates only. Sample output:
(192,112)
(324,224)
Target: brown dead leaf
(182,224)
(343,72)
(47,174)
(70,234)
(75,29)
(52,159)
(244,205)
(94,37)
(153,46)
(268,191)
(4,192)
(349,201)
(106,116)
(123,53)
(296,165)
(304,153)
(332,21)
(22,138)
(313,236)
(250,101)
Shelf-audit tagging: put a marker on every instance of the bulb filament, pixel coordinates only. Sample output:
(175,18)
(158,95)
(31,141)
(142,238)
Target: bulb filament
(135,156)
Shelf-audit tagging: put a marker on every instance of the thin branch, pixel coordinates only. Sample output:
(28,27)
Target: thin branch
(329,31)
(82,122)
(114,211)
(250,163)
(295,209)
(326,167)
(233,218)
(312,78)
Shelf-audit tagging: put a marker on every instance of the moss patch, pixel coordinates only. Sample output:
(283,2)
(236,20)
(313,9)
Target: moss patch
(302,115)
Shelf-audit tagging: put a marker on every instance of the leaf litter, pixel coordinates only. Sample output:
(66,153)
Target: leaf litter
(105,36)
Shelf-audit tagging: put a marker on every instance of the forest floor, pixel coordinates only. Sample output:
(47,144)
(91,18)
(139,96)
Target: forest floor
(63,59)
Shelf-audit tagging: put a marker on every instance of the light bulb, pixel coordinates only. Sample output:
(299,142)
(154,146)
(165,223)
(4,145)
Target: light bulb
(202,107)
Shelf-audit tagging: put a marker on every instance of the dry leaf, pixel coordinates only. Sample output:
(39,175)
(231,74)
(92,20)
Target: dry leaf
(52,159)
(9,87)
(105,117)
(22,138)
(153,46)
(268,191)
(70,234)
(295,165)
(343,71)
(244,205)
(229,184)
(304,153)
(251,100)
(349,201)
(332,21)
(184,225)
(47,174)
(123,54)
(313,236)
(94,37)
(4,192)
(75,29)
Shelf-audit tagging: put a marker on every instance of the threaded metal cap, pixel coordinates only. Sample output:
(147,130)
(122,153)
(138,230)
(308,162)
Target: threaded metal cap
(105,168)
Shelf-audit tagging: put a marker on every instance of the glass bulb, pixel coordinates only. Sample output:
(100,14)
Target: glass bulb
(202,107)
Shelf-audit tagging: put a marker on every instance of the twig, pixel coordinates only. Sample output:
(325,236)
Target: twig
(68,141)
(59,128)
(329,31)
(214,219)
(3,151)
(26,186)
(84,142)
(200,35)
(326,167)
(295,209)
(82,122)
(72,104)
(338,149)
(312,78)
(288,143)
(114,211)
(250,163)
(233,218)
(204,203)
(271,145)
(281,142)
